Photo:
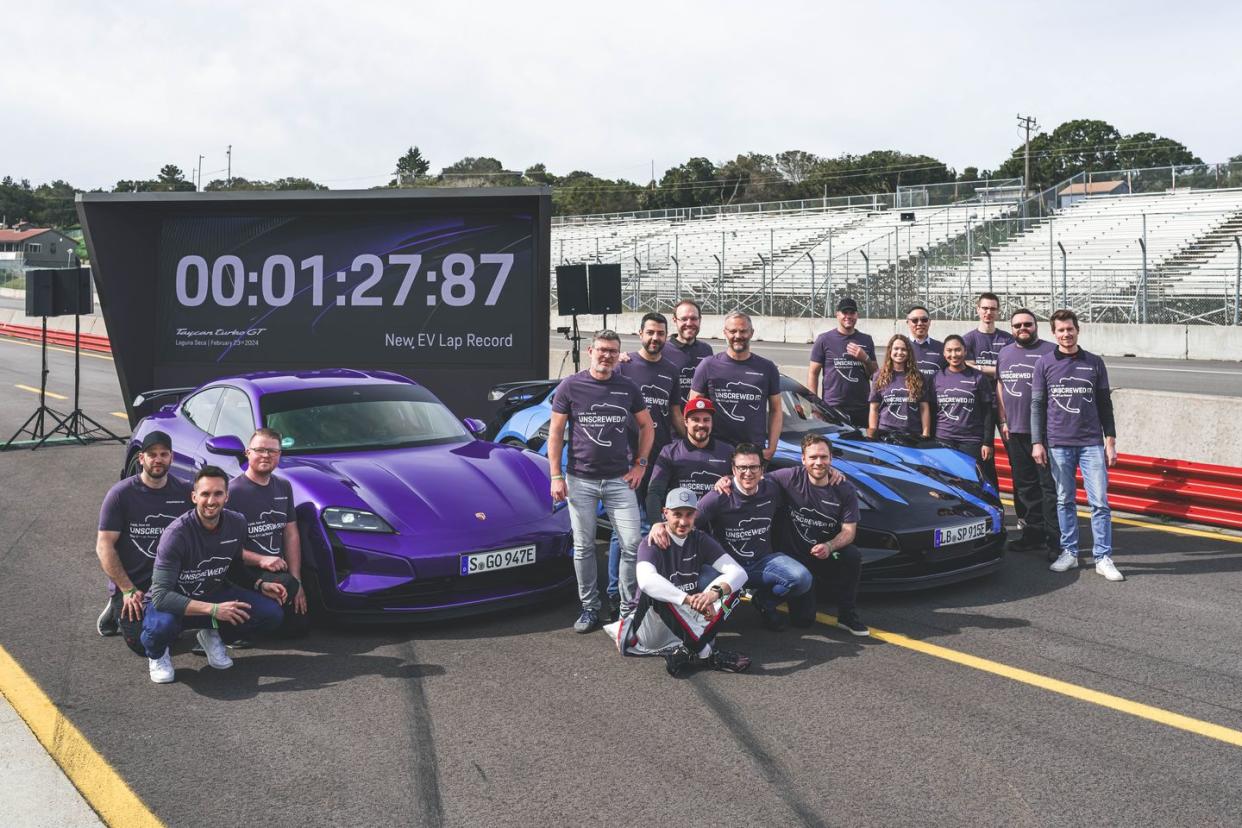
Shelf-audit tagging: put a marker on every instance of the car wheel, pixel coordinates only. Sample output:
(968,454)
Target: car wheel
(132,467)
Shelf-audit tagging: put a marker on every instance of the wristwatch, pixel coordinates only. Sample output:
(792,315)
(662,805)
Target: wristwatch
(719,590)
(642,461)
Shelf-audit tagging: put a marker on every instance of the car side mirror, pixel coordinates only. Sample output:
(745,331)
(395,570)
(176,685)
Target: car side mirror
(226,444)
(475,427)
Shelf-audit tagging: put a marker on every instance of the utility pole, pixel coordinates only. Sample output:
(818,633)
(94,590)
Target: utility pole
(1028,123)
(229,176)
(199,186)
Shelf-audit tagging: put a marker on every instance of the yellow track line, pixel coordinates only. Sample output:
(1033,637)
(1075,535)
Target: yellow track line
(33,390)
(101,786)
(120,414)
(90,354)
(1074,691)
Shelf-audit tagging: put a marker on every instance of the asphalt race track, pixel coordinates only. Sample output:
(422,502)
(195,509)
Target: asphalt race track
(513,719)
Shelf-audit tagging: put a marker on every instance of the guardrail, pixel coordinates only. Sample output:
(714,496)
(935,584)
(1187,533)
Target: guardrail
(90,342)
(1199,492)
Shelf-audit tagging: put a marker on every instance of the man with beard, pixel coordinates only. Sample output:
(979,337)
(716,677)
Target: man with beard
(198,555)
(657,372)
(687,316)
(819,524)
(598,406)
(694,462)
(134,514)
(1034,492)
(1072,428)
(928,352)
(687,588)
(742,520)
(845,357)
(273,551)
(744,387)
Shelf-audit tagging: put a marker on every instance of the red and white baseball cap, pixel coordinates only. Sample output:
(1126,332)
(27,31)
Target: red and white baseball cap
(699,404)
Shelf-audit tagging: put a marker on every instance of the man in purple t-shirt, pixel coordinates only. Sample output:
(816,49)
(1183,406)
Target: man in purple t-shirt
(845,357)
(928,352)
(199,555)
(687,316)
(1071,408)
(818,526)
(656,370)
(686,589)
(134,514)
(744,387)
(982,346)
(695,462)
(1035,492)
(598,406)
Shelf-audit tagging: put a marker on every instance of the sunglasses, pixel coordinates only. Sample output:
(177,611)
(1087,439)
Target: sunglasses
(919,320)
(1023,324)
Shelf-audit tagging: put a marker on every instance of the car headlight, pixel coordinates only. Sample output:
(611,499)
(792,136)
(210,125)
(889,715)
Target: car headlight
(356,520)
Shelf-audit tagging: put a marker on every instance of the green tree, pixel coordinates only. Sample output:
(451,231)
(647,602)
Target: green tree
(795,165)
(692,184)
(171,179)
(411,169)
(538,174)
(1146,149)
(581,193)
(54,204)
(17,200)
(752,177)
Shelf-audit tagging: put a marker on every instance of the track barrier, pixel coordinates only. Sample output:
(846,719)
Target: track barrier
(90,342)
(1198,492)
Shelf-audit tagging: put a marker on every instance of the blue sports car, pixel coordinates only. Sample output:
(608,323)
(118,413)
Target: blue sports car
(404,511)
(929,515)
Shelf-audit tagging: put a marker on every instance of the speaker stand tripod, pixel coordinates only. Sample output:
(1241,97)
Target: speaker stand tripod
(36,424)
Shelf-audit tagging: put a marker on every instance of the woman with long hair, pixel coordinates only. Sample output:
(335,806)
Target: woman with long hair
(899,394)
(964,403)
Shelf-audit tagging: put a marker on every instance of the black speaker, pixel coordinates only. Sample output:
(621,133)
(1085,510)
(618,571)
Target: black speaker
(40,293)
(605,288)
(73,291)
(907,216)
(571,289)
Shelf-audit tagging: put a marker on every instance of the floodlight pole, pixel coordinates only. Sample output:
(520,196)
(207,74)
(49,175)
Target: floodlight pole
(1142,297)
(763,283)
(988,253)
(866,282)
(1064,267)
(811,259)
(719,284)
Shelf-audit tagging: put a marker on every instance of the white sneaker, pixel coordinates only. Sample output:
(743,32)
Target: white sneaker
(217,656)
(1105,567)
(1067,560)
(161,668)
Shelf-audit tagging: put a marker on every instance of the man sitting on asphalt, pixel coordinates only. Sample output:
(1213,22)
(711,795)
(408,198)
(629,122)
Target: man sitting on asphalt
(685,591)
(273,551)
(196,554)
(134,514)
(819,524)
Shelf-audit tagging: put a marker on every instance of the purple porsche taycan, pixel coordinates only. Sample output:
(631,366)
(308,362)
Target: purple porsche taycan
(404,512)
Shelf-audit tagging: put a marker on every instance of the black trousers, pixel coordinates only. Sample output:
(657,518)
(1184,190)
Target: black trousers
(131,631)
(1035,490)
(295,623)
(859,416)
(842,571)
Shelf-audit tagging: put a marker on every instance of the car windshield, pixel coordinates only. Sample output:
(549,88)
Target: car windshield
(360,417)
(805,412)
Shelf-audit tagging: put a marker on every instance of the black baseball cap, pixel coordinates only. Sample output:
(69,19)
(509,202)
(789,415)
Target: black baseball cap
(847,305)
(156,438)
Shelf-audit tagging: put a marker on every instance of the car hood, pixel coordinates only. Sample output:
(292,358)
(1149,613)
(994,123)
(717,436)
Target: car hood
(431,488)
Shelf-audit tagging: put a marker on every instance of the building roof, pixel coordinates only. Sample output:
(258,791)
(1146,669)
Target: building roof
(22,235)
(1093,188)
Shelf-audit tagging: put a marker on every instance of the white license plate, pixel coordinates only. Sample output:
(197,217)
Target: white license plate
(499,559)
(961,534)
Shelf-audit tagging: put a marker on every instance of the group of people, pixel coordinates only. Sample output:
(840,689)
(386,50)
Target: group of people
(177,558)
(672,442)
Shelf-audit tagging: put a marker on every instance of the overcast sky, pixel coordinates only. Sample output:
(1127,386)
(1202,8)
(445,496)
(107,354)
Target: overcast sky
(99,91)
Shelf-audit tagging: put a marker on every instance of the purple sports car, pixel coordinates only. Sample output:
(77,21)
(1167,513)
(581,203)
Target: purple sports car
(404,512)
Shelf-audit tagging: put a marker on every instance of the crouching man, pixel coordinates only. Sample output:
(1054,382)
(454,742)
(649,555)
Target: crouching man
(197,554)
(685,592)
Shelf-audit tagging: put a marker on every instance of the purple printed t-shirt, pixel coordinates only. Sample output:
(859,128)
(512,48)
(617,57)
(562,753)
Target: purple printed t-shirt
(1015,366)
(742,523)
(962,399)
(816,513)
(740,391)
(1069,384)
(686,466)
(201,558)
(599,416)
(845,380)
(141,514)
(266,508)
(982,349)
(929,356)
(659,383)
(694,353)
(681,564)
(897,411)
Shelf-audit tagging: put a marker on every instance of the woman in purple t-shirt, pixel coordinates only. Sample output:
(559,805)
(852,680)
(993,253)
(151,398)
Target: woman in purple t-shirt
(899,396)
(964,408)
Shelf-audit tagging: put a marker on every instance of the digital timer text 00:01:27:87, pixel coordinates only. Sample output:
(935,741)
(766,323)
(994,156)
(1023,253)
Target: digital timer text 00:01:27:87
(225,280)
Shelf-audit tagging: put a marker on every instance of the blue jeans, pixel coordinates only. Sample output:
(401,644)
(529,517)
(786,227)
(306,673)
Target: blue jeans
(621,505)
(1094,465)
(778,577)
(160,629)
(614,553)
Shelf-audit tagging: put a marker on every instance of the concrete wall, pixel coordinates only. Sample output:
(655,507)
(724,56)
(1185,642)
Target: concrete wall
(1107,339)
